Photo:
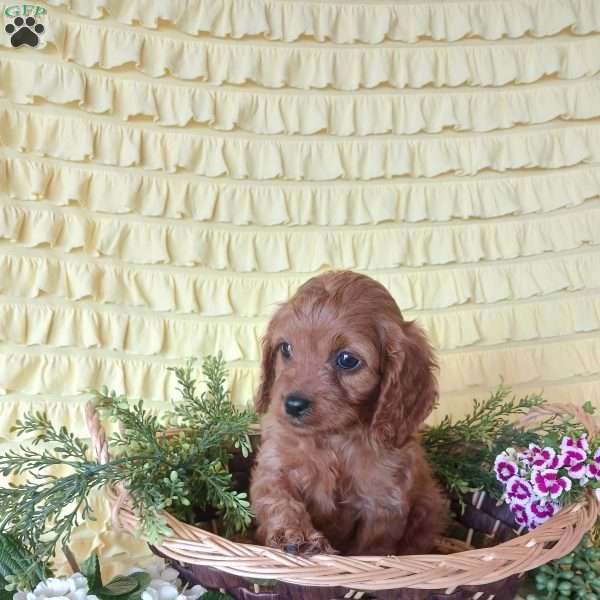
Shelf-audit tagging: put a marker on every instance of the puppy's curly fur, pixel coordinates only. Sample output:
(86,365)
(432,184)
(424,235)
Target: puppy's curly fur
(346,473)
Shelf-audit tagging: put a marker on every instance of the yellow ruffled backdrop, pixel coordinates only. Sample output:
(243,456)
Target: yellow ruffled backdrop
(171,170)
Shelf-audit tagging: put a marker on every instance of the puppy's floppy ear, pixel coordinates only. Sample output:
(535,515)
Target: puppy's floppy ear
(408,390)
(261,402)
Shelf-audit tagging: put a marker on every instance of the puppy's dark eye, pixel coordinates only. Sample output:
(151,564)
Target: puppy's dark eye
(345,360)
(286,350)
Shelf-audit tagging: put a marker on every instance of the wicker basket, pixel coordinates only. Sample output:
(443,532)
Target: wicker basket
(493,570)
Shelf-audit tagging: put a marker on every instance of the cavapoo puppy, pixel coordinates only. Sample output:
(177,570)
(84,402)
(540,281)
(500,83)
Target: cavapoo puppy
(346,383)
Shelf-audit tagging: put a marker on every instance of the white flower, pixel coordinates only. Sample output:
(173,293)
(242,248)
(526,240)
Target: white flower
(166,585)
(165,591)
(192,593)
(160,590)
(158,569)
(65,588)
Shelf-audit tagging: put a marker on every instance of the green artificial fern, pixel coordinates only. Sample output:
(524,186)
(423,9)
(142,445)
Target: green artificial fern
(185,473)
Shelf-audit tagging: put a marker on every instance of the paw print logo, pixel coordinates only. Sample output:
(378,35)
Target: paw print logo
(24,32)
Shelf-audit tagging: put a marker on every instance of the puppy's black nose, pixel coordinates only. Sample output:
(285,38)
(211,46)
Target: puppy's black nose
(296,406)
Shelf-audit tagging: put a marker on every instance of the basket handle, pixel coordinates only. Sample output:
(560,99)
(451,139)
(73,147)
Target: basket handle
(536,413)
(97,435)
(100,449)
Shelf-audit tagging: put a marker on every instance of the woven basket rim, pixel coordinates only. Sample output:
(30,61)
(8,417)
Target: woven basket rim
(191,545)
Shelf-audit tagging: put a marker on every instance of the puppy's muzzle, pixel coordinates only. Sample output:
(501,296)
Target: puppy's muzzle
(297,406)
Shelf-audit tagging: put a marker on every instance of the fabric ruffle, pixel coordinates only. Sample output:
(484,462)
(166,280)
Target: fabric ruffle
(65,326)
(63,372)
(351,22)
(148,335)
(271,113)
(39,371)
(70,411)
(77,139)
(225,294)
(182,197)
(306,66)
(573,391)
(303,250)
(526,363)
(65,410)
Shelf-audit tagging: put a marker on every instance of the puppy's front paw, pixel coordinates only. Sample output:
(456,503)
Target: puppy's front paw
(317,543)
(298,541)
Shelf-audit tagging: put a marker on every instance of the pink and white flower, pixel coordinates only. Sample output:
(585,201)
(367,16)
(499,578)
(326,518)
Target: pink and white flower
(540,510)
(547,482)
(573,456)
(546,458)
(593,469)
(519,510)
(581,443)
(519,490)
(541,458)
(535,479)
(577,471)
(573,459)
(505,469)
(527,456)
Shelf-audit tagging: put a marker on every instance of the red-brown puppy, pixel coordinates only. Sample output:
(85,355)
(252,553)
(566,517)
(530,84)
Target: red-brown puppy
(346,382)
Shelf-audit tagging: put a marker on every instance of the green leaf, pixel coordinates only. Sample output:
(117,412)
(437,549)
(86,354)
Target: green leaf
(119,586)
(210,595)
(90,569)
(135,583)
(143,579)
(4,593)
(589,408)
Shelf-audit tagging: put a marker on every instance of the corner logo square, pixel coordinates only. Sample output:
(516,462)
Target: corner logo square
(24,26)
